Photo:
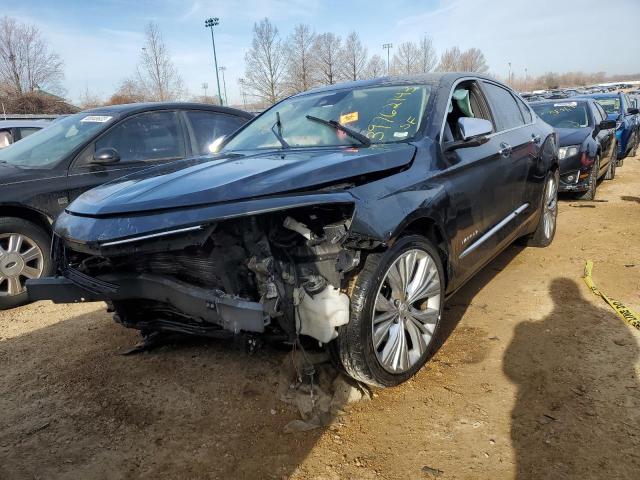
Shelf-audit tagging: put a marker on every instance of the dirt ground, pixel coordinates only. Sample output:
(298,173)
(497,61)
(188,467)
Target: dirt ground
(537,379)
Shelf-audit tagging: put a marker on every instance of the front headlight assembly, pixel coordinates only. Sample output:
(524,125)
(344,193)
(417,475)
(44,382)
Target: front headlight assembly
(571,150)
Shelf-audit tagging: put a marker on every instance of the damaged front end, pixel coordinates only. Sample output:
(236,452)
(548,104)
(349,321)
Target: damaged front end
(283,273)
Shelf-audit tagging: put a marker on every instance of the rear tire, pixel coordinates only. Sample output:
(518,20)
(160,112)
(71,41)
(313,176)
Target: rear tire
(590,194)
(24,254)
(391,332)
(546,229)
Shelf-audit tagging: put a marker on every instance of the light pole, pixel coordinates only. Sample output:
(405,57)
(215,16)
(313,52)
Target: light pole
(243,92)
(509,73)
(205,85)
(387,47)
(210,23)
(526,79)
(224,83)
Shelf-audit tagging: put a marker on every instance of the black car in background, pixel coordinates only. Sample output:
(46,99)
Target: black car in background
(42,173)
(346,213)
(588,148)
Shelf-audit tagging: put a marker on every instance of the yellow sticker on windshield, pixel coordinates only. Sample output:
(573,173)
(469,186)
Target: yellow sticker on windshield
(349,117)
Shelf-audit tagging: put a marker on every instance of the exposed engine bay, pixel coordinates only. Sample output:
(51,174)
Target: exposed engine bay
(284,273)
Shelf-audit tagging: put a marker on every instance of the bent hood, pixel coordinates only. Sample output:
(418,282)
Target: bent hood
(572,136)
(237,176)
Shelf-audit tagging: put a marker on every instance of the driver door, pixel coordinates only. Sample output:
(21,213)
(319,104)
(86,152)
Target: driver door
(142,140)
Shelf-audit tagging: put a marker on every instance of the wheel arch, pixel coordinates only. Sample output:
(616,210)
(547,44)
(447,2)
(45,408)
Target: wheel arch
(30,214)
(428,227)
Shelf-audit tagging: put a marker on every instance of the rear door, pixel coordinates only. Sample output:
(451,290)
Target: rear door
(141,140)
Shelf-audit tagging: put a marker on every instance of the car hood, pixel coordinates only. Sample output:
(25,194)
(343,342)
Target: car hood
(237,176)
(572,136)
(613,116)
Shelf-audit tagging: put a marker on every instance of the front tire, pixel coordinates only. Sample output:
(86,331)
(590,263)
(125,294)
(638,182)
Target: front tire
(590,194)
(24,254)
(396,306)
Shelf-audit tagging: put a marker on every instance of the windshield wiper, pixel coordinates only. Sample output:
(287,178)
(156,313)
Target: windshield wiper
(278,132)
(338,126)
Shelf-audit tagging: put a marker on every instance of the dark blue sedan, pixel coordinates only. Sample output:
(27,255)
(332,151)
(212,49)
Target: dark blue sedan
(620,108)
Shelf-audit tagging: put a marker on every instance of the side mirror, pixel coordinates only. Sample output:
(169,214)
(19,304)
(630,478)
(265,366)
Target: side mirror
(474,127)
(105,156)
(633,111)
(607,124)
(474,133)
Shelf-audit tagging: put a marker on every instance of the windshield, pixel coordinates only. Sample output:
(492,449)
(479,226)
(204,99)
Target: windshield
(381,114)
(51,144)
(610,105)
(563,114)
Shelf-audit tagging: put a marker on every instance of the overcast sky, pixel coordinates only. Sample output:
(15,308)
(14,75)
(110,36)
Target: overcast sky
(100,41)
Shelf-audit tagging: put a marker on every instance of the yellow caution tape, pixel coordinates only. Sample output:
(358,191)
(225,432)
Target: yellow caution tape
(628,315)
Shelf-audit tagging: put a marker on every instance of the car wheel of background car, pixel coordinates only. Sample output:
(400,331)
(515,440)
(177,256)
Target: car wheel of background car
(611,169)
(396,305)
(24,254)
(546,229)
(590,194)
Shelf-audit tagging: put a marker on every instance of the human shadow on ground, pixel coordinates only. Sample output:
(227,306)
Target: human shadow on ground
(577,412)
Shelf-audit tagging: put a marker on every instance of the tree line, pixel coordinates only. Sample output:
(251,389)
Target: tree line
(276,67)
(32,74)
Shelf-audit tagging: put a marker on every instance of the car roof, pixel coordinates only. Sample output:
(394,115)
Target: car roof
(604,95)
(422,78)
(24,123)
(563,100)
(131,108)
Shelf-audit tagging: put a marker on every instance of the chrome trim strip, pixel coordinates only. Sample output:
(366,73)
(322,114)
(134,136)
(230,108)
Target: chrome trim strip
(493,230)
(151,235)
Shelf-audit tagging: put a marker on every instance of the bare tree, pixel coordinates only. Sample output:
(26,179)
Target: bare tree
(472,60)
(376,67)
(450,60)
(353,58)
(406,59)
(26,62)
(128,92)
(158,78)
(301,64)
(89,100)
(428,58)
(266,62)
(326,50)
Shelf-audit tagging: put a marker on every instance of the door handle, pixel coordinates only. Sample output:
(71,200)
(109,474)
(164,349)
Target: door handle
(535,138)
(505,149)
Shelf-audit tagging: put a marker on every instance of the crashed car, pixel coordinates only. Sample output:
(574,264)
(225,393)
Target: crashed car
(346,214)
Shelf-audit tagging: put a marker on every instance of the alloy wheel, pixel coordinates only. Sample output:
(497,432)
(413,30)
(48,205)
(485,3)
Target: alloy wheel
(20,259)
(406,311)
(550,206)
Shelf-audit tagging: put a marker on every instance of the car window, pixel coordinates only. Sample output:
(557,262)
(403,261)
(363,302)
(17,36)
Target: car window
(5,138)
(563,114)
(145,137)
(597,114)
(384,114)
(26,131)
(466,102)
(51,145)
(207,126)
(610,105)
(506,112)
(526,113)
